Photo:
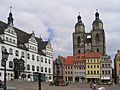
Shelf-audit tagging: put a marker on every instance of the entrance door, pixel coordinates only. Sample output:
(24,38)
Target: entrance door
(16,75)
(76,79)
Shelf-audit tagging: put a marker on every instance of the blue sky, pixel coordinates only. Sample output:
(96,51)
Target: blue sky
(55,19)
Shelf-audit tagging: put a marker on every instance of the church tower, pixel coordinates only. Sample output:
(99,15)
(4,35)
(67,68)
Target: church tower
(79,37)
(98,35)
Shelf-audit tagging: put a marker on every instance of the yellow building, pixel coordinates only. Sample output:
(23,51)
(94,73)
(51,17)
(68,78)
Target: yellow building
(93,66)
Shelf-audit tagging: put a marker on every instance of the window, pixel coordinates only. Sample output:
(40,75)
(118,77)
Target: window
(2,63)
(97,49)
(97,38)
(66,72)
(49,61)
(16,53)
(6,38)
(45,60)
(10,64)
(49,77)
(10,40)
(14,41)
(37,58)
(49,70)
(0,74)
(41,69)
(109,72)
(94,72)
(10,51)
(33,57)
(68,67)
(28,67)
(94,66)
(71,72)
(11,75)
(28,56)
(33,68)
(37,68)
(45,69)
(88,72)
(103,72)
(88,66)
(41,59)
(28,75)
(78,40)
(97,66)
(91,66)
(97,72)
(22,54)
(78,51)
(91,72)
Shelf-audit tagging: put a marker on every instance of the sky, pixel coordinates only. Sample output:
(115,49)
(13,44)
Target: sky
(55,20)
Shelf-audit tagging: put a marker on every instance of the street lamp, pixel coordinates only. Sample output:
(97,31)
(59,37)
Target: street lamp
(5,55)
(39,81)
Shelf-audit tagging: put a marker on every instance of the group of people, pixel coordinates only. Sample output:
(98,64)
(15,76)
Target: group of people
(92,86)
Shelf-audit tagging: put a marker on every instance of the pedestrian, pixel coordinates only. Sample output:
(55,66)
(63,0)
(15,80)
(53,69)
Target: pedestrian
(94,86)
(91,85)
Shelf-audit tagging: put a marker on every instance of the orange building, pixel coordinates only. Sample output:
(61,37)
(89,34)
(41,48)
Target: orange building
(68,69)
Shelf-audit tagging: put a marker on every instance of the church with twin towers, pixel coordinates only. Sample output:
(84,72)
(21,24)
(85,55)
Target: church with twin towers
(94,41)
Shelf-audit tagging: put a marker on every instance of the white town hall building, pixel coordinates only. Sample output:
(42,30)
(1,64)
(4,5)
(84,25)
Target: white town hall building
(28,54)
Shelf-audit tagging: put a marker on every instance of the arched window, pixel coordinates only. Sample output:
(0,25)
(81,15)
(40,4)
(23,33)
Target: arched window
(45,69)
(28,56)
(97,38)
(78,40)
(33,57)
(10,64)
(28,67)
(37,68)
(10,51)
(16,53)
(33,67)
(49,70)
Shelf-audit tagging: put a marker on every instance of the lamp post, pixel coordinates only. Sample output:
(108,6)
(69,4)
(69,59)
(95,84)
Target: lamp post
(39,81)
(5,55)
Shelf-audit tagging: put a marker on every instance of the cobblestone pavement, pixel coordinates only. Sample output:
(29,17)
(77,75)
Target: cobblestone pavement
(25,85)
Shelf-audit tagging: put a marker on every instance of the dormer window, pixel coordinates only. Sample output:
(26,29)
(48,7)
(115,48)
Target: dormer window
(10,40)
(6,38)
(14,41)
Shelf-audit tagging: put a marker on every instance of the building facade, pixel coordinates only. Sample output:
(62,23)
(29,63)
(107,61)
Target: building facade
(117,67)
(25,49)
(79,68)
(93,61)
(106,69)
(89,42)
(68,69)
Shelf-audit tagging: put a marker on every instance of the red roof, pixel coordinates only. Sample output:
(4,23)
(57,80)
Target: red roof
(69,60)
(93,55)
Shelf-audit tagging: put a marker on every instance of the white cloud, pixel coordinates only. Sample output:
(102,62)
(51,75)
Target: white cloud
(61,15)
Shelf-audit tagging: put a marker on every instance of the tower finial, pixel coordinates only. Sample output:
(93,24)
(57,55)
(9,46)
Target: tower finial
(96,14)
(10,18)
(79,17)
(96,10)
(10,8)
